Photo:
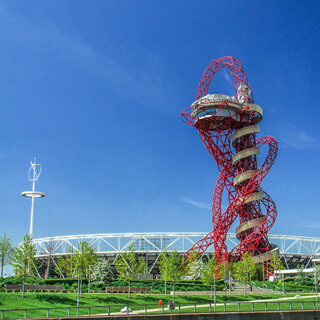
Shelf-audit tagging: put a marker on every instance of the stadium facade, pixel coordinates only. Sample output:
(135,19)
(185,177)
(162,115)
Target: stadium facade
(294,250)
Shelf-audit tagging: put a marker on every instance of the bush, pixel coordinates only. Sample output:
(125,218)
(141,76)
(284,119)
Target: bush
(68,281)
(74,287)
(290,286)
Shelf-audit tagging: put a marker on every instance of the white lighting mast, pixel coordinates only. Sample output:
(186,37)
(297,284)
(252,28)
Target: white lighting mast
(33,177)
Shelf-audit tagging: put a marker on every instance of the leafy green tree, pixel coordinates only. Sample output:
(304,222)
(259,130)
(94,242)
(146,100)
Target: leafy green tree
(6,252)
(211,271)
(170,267)
(132,259)
(175,266)
(84,257)
(122,267)
(301,277)
(316,275)
(50,250)
(245,269)
(275,262)
(224,267)
(101,272)
(23,261)
(65,266)
(163,265)
(142,266)
(129,266)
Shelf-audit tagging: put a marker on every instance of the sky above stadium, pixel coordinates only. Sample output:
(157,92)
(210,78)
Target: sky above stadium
(94,91)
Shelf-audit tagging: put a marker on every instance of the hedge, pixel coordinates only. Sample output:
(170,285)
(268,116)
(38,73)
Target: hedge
(155,284)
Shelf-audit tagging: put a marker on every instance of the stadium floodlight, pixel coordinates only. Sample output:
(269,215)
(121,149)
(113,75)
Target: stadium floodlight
(33,177)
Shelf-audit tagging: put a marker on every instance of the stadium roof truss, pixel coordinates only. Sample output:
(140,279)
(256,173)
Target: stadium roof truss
(154,243)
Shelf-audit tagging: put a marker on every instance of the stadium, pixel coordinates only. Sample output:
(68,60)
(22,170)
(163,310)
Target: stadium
(295,251)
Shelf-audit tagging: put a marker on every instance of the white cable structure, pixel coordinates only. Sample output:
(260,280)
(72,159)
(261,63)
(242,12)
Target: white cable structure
(33,177)
(116,243)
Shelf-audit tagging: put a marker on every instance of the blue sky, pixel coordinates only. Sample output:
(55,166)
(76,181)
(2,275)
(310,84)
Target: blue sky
(94,90)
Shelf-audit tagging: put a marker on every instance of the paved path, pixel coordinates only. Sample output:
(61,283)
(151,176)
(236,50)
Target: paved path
(217,304)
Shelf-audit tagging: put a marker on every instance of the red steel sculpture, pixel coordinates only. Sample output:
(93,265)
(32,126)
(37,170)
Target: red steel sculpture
(228,127)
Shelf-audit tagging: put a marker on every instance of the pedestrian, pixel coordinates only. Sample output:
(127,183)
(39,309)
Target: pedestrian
(160,305)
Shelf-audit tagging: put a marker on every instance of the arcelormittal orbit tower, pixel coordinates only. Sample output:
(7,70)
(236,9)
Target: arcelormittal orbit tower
(228,127)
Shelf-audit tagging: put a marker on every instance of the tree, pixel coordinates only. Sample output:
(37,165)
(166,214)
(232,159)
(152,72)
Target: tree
(245,269)
(224,267)
(24,258)
(170,267)
(142,266)
(6,252)
(24,263)
(192,257)
(122,267)
(64,266)
(128,264)
(50,249)
(84,257)
(197,269)
(101,272)
(302,278)
(316,274)
(276,262)
(132,260)
(211,272)
(163,265)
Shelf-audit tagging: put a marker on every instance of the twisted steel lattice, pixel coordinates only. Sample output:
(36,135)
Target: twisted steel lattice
(228,127)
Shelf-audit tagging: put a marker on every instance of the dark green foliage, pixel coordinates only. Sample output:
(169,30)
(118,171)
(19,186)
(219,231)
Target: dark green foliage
(156,285)
(289,284)
(6,252)
(63,281)
(55,298)
(304,279)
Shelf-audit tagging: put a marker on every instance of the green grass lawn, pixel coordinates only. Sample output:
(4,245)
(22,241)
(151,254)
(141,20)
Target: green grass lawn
(271,306)
(44,300)
(290,304)
(102,302)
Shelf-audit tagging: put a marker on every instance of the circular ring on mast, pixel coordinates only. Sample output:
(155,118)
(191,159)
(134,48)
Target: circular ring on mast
(33,194)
